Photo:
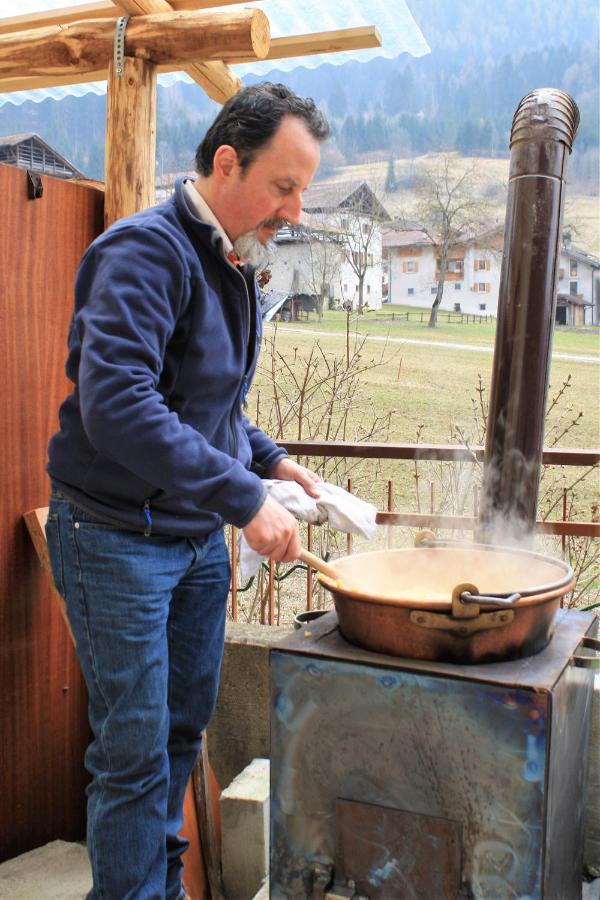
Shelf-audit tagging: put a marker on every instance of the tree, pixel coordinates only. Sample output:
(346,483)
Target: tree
(358,224)
(391,181)
(448,209)
(323,259)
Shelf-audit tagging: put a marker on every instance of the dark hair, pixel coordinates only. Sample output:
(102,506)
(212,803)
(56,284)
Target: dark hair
(251,117)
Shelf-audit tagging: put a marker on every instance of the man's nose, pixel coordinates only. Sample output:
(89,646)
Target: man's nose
(292,209)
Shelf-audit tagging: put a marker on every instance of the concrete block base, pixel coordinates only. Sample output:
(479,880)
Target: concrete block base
(245,831)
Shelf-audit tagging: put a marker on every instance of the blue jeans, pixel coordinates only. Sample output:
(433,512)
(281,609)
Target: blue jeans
(148,616)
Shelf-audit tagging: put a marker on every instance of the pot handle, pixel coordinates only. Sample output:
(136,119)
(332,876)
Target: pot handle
(587,662)
(490,599)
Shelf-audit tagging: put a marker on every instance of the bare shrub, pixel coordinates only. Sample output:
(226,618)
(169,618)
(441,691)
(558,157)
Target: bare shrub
(315,395)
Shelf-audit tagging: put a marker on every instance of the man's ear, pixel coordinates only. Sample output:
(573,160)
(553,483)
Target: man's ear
(225,161)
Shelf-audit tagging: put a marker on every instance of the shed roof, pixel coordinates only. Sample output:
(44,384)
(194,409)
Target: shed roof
(29,151)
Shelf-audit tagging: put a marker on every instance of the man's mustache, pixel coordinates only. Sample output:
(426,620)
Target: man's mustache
(274,224)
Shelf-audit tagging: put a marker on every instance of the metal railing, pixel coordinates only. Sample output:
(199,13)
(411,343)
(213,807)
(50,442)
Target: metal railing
(563,527)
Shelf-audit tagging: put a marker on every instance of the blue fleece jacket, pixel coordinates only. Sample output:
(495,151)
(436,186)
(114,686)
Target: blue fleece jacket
(162,350)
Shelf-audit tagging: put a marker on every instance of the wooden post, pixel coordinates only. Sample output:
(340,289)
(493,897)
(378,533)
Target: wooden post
(130,139)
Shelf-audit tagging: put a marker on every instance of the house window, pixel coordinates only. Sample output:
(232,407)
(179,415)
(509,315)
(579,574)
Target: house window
(482,265)
(481,287)
(410,266)
(411,290)
(434,290)
(483,307)
(368,289)
(365,228)
(572,287)
(458,285)
(573,268)
(370,259)
(344,222)
(455,265)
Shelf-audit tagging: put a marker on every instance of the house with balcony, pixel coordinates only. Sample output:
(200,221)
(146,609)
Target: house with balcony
(337,243)
(471,285)
(412,270)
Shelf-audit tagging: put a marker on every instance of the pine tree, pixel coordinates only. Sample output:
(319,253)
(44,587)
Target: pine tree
(391,182)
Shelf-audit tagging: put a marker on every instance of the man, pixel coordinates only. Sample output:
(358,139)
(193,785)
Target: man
(154,454)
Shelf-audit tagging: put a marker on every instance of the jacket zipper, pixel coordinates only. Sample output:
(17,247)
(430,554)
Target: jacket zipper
(148,517)
(242,393)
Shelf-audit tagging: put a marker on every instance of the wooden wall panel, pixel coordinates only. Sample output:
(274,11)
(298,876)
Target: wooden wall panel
(43,722)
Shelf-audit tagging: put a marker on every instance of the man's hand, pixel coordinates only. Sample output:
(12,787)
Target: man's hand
(273,532)
(288,470)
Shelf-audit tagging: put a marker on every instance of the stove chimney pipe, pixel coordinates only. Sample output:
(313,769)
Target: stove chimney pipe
(543,130)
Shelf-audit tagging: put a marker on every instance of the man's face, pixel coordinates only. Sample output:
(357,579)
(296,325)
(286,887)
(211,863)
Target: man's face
(259,199)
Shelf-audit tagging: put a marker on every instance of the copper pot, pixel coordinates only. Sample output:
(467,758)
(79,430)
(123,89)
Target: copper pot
(462,603)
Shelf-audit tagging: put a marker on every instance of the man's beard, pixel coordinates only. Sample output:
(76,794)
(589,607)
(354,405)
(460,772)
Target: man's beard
(253,251)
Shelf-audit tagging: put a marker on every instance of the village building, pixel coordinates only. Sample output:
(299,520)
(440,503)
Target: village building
(578,301)
(338,241)
(30,151)
(472,277)
(472,280)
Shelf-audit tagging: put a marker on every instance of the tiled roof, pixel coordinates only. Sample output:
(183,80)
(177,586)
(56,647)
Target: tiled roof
(581,255)
(404,237)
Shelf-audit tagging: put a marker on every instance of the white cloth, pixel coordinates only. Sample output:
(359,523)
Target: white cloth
(344,512)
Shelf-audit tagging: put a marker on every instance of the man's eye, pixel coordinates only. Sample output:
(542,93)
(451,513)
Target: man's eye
(284,190)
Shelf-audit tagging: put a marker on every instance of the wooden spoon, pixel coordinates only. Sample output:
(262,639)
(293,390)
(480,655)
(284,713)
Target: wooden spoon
(319,564)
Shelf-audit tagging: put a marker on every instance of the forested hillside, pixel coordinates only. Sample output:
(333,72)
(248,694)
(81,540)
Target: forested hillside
(485,56)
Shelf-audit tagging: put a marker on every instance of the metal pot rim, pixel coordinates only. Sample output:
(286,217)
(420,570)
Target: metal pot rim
(529,597)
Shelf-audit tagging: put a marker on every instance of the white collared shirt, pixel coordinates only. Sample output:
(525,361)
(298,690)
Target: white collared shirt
(204,212)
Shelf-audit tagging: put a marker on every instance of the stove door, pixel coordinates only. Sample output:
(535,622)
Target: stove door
(391,853)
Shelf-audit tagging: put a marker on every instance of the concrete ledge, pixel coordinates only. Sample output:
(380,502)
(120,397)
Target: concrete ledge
(57,871)
(240,728)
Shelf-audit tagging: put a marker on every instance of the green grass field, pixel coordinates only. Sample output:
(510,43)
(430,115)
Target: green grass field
(434,386)
(390,320)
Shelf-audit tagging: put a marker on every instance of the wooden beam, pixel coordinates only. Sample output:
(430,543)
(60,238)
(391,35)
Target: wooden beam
(130,156)
(175,38)
(281,48)
(99,10)
(362,38)
(216,79)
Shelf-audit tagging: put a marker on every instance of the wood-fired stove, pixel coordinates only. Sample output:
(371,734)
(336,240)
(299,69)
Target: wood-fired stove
(397,778)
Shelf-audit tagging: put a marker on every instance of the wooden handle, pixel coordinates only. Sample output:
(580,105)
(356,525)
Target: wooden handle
(319,564)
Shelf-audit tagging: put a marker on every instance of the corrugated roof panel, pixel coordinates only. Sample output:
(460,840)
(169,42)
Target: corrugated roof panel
(399,31)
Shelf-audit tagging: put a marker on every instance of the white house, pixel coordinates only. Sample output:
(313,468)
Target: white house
(337,242)
(472,277)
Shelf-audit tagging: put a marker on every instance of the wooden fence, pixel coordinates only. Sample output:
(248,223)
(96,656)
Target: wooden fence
(422,315)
